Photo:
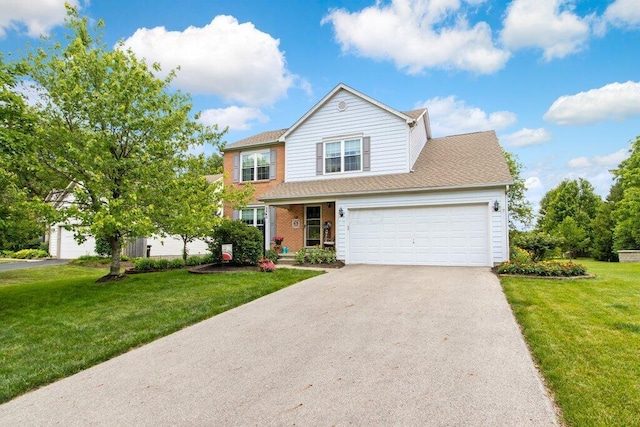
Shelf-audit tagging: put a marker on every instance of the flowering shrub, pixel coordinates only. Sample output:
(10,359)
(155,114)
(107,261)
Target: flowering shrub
(278,240)
(315,256)
(544,268)
(266,265)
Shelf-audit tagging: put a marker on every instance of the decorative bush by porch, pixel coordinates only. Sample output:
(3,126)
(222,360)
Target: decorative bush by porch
(544,268)
(247,242)
(315,256)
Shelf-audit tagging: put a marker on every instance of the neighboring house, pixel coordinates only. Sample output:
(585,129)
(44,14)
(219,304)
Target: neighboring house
(62,243)
(368,180)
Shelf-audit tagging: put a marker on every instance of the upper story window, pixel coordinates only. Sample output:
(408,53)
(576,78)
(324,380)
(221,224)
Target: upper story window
(255,166)
(343,156)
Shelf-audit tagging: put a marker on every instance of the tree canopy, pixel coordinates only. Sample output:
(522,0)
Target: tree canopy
(520,209)
(571,198)
(112,128)
(23,213)
(195,206)
(627,213)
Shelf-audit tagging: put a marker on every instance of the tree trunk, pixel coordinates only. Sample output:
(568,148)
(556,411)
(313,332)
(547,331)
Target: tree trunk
(184,250)
(116,249)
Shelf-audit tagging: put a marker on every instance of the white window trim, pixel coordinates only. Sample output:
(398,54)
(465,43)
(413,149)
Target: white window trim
(341,140)
(255,215)
(254,155)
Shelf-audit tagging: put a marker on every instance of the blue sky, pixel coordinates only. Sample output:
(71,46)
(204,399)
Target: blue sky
(558,80)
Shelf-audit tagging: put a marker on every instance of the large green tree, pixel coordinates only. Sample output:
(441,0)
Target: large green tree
(23,213)
(112,128)
(604,225)
(627,214)
(571,198)
(520,209)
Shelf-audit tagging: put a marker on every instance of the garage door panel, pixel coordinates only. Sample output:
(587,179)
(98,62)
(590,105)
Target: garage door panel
(433,235)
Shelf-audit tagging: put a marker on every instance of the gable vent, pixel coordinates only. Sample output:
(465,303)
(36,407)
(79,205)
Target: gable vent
(342,106)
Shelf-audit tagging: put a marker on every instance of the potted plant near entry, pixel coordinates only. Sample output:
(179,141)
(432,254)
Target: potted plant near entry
(278,243)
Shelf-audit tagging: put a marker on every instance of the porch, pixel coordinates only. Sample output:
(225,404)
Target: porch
(303,225)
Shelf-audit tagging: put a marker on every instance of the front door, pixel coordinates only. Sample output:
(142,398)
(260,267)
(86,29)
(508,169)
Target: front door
(313,225)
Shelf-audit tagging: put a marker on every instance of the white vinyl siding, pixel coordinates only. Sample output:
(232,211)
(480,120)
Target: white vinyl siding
(388,133)
(496,221)
(171,246)
(418,138)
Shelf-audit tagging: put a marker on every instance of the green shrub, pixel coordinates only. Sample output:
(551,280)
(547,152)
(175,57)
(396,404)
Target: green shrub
(176,263)
(272,256)
(195,260)
(315,256)
(520,255)
(7,254)
(247,242)
(301,256)
(31,254)
(161,263)
(144,264)
(538,244)
(102,247)
(545,269)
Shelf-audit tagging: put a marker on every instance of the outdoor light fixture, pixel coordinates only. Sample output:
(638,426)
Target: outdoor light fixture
(496,206)
(329,204)
(341,212)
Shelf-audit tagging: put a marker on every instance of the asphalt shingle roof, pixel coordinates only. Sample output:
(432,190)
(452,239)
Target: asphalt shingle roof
(458,161)
(259,139)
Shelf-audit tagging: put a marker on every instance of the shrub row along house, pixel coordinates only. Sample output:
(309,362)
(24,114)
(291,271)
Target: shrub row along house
(369,181)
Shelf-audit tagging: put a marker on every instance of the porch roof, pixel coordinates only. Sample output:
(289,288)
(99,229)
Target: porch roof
(460,161)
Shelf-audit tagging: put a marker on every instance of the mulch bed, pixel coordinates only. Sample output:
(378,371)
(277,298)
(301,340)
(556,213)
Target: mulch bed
(335,264)
(221,268)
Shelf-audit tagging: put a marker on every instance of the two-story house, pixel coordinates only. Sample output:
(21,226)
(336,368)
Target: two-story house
(370,181)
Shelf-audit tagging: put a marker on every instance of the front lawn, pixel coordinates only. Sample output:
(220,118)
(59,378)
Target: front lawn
(585,335)
(56,321)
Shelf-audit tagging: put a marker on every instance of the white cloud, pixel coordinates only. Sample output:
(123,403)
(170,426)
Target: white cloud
(612,159)
(525,137)
(623,13)
(452,116)
(546,24)
(237,118)
(235,61)
(419,34)
(579,163)
(535,191)
(38,17)
(616,101)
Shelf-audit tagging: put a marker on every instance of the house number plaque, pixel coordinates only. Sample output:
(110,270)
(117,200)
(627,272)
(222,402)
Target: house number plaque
(295,223)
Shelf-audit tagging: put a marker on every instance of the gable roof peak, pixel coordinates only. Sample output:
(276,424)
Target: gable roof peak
(341,86)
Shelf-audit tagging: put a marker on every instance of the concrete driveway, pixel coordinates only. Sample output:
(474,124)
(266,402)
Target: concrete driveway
(364,345)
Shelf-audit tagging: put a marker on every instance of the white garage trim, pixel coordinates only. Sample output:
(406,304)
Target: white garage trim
(455,234)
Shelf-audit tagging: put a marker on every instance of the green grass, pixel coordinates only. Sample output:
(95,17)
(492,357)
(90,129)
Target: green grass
(56,321)
(585,336)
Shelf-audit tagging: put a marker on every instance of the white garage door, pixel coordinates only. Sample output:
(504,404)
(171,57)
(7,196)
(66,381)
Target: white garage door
(426,235)
(69,248)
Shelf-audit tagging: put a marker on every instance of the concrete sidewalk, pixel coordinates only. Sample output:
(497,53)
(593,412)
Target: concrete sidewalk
(364,345)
